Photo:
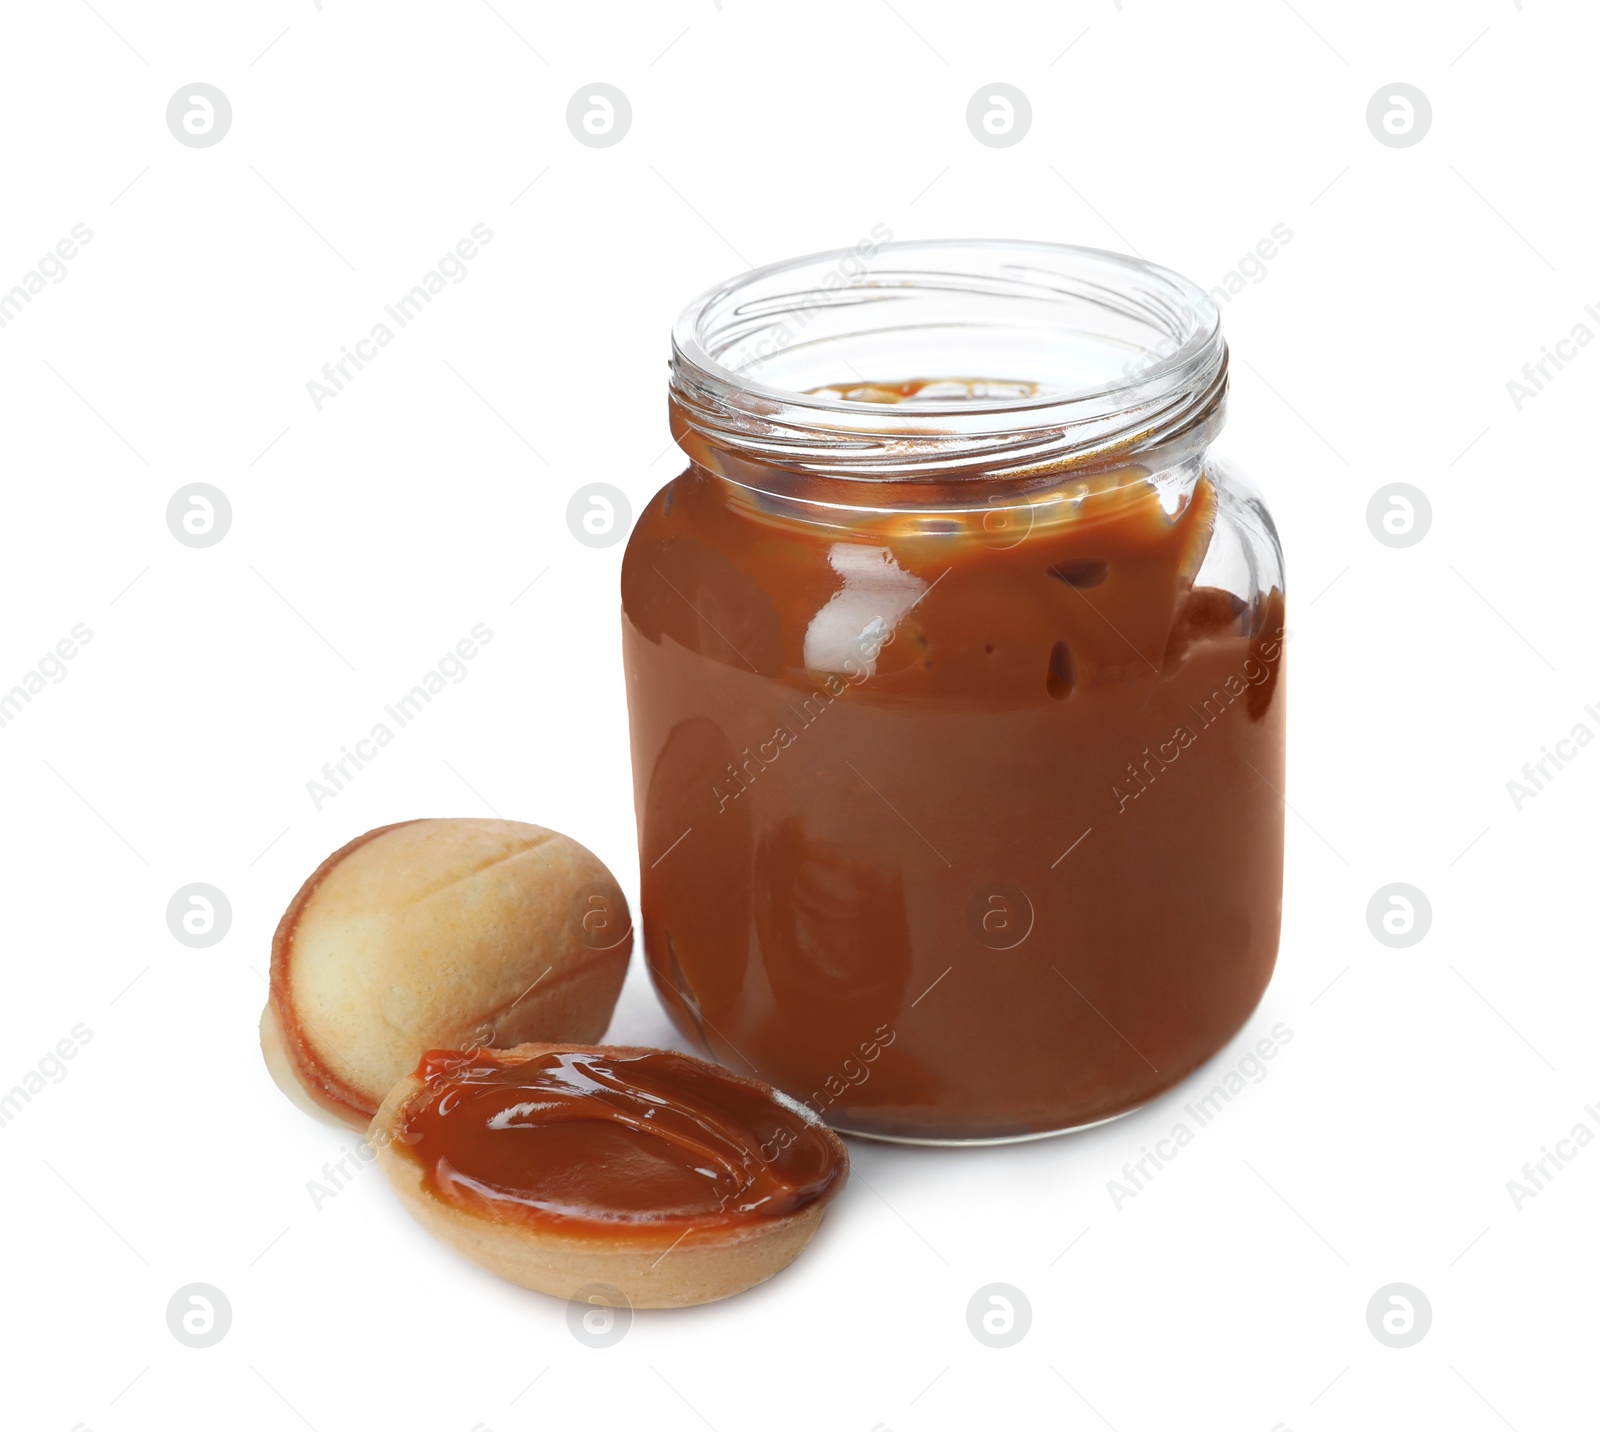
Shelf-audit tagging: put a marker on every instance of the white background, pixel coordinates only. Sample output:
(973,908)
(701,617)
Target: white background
(367,538)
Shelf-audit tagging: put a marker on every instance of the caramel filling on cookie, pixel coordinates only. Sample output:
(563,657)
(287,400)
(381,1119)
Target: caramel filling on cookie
(613,1143)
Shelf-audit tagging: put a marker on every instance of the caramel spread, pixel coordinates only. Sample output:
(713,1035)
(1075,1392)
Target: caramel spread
(958,801)
(613,1143)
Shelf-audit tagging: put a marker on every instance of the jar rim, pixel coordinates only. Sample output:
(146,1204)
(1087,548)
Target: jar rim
(1056,305)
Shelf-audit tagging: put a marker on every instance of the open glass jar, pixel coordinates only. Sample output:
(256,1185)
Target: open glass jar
(954,667)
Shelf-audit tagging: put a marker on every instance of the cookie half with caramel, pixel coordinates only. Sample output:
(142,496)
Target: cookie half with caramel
(666,1180)
(438,934)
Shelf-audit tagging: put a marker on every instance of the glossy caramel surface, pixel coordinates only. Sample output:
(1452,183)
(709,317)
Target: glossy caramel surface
(608,1142)
(958,818)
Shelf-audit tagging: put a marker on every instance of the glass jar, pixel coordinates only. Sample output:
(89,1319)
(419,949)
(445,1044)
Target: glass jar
(954,666)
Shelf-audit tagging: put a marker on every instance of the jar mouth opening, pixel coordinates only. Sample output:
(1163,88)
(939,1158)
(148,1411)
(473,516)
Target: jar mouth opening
(1008,351)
